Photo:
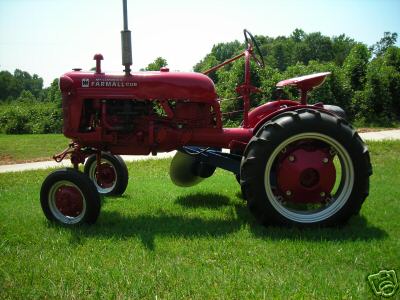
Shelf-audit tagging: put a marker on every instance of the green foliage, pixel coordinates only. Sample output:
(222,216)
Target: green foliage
(368,90)
(392,58)
(355,66)
(229,80)
(219,53)
(8,86)
(388,40)
(26,106)
(30,117)
(52,93)
(318,47)
(342,46)
(11,85)
(379,102)
(280,54)
(156,65)
(268,79)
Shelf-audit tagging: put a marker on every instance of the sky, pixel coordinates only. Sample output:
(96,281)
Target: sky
(50,37)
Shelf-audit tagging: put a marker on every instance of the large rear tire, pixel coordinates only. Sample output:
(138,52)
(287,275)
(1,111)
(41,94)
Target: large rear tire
(305,168)
(112,178)
(70,198)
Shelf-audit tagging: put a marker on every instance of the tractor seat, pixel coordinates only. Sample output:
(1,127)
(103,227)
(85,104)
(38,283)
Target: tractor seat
(305,83)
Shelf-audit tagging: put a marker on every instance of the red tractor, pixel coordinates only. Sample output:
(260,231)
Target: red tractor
(297,164)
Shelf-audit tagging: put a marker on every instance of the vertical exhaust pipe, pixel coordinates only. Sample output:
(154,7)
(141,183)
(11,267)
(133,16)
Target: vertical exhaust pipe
(126,44)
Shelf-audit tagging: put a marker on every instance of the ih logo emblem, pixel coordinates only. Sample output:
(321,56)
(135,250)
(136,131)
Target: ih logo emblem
(85,82)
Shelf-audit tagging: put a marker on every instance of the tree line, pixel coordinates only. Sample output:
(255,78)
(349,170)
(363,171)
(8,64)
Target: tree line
(365,81)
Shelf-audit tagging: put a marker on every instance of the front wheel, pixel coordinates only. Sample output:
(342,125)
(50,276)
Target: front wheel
(305,168)
(69,197)
(111,176)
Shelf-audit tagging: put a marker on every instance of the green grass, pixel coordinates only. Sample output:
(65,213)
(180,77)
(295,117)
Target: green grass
(18,148)
(159,241)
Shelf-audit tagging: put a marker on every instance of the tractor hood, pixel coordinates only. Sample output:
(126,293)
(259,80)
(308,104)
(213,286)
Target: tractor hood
(141,85)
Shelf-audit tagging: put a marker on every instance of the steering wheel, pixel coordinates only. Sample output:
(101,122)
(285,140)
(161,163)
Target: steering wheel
(251,41)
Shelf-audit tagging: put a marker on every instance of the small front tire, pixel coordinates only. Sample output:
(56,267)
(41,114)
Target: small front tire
(112,178)
(70,198)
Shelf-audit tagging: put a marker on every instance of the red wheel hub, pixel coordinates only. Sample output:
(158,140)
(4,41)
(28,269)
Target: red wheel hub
(69,201)
(105,175)
(306,175)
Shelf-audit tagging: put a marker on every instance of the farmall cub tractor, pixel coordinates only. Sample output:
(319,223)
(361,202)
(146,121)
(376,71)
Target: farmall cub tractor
(297,164)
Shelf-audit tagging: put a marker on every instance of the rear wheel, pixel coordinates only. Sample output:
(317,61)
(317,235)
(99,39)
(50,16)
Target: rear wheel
(111,177)
(69,197)
(305,168)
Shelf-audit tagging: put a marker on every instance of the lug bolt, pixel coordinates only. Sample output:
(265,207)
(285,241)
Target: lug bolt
(291,158)
(288,193)
(322,194)
(325,160)
(283,150)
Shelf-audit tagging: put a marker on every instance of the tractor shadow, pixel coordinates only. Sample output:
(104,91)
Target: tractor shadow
(357,228)
(147,227)
(115,225)
(205,200)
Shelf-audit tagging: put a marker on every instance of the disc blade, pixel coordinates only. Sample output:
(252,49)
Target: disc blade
(181,170)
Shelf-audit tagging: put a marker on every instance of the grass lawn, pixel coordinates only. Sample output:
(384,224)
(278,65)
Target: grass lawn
(19,148)
(159,241)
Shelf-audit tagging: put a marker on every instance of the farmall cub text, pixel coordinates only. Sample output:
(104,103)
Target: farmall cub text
(297,164)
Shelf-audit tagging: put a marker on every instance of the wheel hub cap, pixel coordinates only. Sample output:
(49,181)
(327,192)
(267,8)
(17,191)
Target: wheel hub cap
(105,175)
(306,175)
(69,201)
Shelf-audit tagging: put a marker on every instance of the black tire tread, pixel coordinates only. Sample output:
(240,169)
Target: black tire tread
(87,187)
(293,121)
(120,167)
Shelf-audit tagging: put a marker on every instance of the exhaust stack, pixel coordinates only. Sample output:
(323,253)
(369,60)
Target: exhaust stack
(126,44)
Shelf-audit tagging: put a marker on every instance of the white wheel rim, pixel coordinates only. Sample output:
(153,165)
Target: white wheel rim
(339,199)
(92,176)
(54,209)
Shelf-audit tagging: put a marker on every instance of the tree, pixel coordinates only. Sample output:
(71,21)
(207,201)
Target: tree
(26,96)
(282,53)
(11,85)
(318,47)
(389,39)
(379,102)
(52,93)
(298,35)
(219,53)
(342,46)
(355,66)
(8,86)
(157,64)
(25,81)
(206,63)
(230,79)
(392,57)
(224,51)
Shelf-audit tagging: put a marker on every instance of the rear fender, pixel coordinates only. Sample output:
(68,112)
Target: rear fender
(266,115)
(263,111)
